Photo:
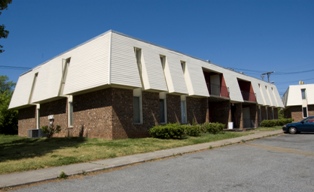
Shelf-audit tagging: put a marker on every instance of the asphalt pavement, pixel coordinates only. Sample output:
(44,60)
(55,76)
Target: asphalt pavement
(34,176)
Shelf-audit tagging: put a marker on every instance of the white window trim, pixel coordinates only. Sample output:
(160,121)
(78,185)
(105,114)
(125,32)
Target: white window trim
(70,111)
(37,116)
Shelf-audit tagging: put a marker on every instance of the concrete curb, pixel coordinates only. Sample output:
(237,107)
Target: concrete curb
(29,177)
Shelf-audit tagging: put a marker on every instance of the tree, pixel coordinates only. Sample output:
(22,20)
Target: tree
(3,32)
(8,118)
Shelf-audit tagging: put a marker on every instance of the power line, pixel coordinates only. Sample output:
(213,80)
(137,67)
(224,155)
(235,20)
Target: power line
(292,73)
(14,67)
(277,73)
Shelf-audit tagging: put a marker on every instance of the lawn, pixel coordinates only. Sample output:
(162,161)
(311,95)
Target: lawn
(22,154)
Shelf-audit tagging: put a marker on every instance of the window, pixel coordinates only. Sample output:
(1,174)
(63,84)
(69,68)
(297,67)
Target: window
(163,61)
(136,110)
(137,106)
(183,66)
(162,107)
(304,111)
(183,109)
(310,120)
(303,93)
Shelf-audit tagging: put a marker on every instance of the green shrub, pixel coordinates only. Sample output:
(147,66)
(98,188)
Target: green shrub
(168,131)
(213,128)
(50,130)
(276,122)
(192,130)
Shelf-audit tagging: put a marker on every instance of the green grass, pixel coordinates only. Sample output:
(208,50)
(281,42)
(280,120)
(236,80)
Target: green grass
(22,154)
(269,128)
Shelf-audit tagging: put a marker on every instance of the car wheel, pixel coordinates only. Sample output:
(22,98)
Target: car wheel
(292,130)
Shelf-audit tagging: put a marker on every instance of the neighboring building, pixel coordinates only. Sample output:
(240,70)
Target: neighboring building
(114,86)
(299,101)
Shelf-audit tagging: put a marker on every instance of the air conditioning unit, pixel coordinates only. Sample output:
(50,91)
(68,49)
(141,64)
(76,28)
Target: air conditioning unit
(35,133)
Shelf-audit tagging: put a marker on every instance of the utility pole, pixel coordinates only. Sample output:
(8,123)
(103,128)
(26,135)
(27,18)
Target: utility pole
(268,75)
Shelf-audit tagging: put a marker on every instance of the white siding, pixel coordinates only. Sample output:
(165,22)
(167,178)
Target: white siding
(22,90)
(174,74)
(109,59)
(310,94)
(153,70)
(48,81)
(195,79)
(123,68)
(276,97)
(258,93)
(264,90)
(89,65)
(294,96)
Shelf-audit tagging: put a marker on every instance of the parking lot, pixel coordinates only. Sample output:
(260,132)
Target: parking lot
(280,163)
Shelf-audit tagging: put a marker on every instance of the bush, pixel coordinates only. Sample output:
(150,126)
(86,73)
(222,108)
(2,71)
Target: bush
(177,131)
(213,128)
(192,130)
(168,131)
(276,122)
(50,130)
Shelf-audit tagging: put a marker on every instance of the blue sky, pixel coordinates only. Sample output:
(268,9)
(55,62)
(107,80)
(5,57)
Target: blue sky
(250,36)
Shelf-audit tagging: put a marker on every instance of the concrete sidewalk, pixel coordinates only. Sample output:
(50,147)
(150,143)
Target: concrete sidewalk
(28,177)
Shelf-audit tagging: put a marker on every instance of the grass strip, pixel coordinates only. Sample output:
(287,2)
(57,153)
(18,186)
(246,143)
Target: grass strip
(22,154)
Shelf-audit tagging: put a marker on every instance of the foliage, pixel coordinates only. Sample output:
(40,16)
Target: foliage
(281,114)
(213,128)
(192,130)
(276,122)
(3,32)
(8,118)
(63,175)
(50,130)
(168,131)
(177,131)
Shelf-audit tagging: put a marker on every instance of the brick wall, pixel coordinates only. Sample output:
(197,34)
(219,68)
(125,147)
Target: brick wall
(270,113)
(263,115)
(196,110)
(173,109)
(26,120)
(92,114)
(108,114)
(122,114)
(219,112)
(296,114)
(237,116)
(150,107)
(275,113)
(58,109)
(254,115)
